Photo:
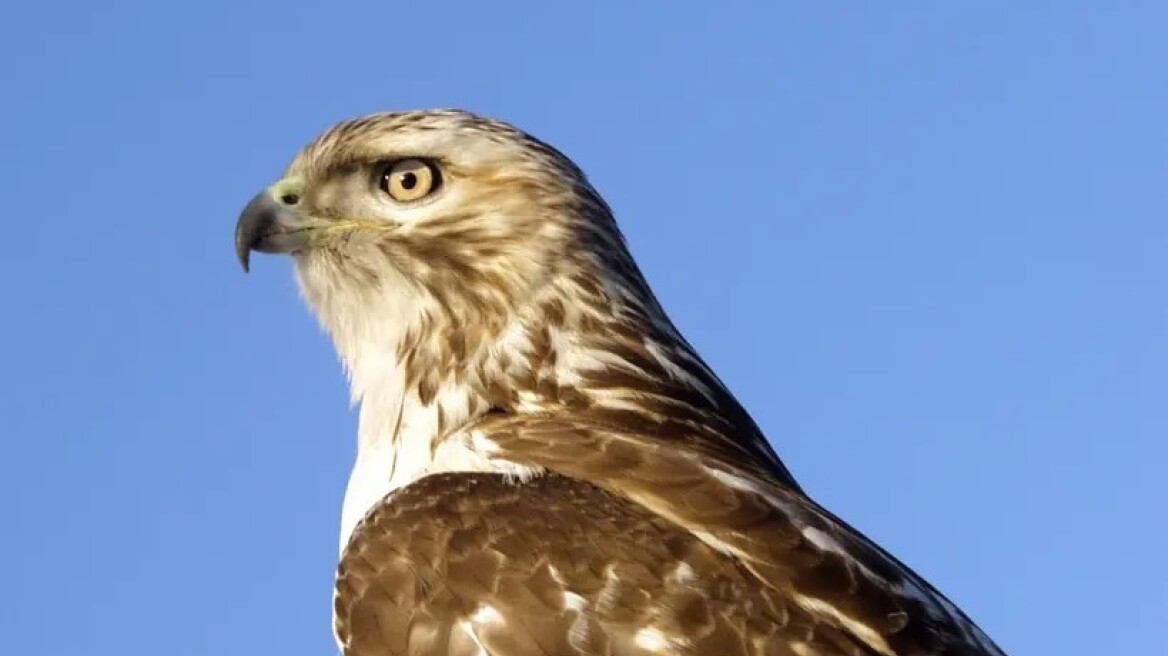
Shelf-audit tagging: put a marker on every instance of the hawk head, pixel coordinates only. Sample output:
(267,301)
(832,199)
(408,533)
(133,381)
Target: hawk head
(461,252)
(435,222)
(441,204)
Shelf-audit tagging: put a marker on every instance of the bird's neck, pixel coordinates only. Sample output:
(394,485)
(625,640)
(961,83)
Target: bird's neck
(422,377)
(400,432)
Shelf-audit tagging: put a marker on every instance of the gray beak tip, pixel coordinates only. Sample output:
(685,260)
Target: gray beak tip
(243,252)
(267,225)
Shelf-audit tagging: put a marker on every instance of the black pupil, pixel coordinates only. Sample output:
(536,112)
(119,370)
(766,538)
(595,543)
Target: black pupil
(409,180)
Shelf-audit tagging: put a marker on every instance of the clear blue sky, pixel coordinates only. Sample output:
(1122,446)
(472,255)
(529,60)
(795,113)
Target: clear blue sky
(926,244)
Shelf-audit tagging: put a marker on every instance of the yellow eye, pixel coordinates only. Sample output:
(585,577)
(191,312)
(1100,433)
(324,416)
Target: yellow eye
(409,179)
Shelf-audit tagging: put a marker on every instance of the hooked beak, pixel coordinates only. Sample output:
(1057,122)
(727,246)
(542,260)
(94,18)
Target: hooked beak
(271,223)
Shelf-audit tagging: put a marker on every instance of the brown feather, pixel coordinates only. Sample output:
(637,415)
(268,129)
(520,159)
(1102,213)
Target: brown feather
(561,567)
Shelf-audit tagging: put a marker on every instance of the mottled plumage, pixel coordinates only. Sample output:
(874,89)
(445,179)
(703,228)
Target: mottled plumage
(545,466)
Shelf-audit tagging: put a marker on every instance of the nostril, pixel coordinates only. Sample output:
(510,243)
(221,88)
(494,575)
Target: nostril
(290,199)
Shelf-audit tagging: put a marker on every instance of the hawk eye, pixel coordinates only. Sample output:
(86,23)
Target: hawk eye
(409,179)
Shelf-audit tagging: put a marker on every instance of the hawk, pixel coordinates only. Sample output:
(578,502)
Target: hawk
(545,466)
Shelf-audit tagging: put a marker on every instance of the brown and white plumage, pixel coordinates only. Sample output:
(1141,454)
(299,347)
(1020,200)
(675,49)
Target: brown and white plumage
(545,466)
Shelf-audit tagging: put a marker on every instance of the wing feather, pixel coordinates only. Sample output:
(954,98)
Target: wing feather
(790,544)
(471,563)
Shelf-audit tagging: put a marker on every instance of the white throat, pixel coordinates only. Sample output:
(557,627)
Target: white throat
(399,438)
(397,443)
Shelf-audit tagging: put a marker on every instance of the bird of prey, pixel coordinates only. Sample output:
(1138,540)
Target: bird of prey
(544,464)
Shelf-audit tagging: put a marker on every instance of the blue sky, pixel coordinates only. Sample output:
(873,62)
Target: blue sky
(925,243)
